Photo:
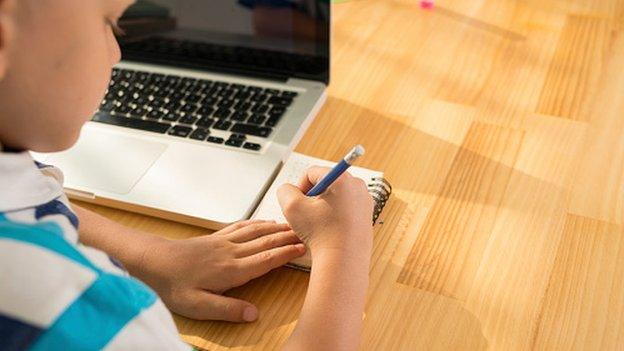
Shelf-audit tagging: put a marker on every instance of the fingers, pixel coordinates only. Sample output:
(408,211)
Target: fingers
(312,176)
(263,262)
(267,242)
(288,195)
(205,305)
(256,230)
(238,225)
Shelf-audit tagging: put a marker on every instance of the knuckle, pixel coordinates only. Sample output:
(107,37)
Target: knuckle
(227,268)
(239,225)
(226,245)
(230,273)
(266,256)
(270,241)
(256,227)
(229,309)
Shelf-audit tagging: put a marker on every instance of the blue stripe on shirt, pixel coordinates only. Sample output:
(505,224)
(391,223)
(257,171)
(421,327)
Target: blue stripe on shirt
(56,207)
(102,310)
(48,235)
(94,319)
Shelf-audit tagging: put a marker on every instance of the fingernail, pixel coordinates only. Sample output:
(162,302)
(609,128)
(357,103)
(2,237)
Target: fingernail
(250,314)
(300,247)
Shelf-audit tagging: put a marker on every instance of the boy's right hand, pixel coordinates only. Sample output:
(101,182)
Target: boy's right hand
(340,219)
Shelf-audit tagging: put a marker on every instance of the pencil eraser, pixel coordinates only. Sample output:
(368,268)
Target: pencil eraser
(426,4)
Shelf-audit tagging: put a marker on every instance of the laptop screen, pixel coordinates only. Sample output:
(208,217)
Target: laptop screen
(268,38)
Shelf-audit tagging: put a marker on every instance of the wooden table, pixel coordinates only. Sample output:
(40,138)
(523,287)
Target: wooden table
(500,124)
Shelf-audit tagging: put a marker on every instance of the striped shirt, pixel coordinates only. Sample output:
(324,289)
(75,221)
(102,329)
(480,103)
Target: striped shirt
(56,293)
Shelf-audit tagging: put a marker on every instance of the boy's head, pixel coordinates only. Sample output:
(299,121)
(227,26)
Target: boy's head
(55,63)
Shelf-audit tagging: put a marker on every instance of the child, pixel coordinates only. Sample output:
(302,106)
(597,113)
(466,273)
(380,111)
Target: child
(58,290)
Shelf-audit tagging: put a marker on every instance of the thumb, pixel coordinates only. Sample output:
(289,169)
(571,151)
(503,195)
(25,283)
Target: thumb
(217,307)
(288,195)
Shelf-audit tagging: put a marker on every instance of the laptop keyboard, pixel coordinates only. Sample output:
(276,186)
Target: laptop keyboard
(192,108)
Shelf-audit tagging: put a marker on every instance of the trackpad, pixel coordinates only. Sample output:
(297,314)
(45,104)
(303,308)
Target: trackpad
(103,160)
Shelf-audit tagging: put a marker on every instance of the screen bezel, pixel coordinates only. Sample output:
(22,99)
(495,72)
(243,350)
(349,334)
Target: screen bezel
(322,57)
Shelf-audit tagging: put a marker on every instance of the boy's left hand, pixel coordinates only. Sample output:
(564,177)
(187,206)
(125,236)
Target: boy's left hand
(190,275)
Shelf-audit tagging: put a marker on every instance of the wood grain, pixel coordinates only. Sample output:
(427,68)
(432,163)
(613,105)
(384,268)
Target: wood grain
(445,256)
(500,124)
(575,69)
(583,308)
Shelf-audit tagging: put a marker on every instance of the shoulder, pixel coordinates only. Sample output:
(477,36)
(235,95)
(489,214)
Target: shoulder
(52,294)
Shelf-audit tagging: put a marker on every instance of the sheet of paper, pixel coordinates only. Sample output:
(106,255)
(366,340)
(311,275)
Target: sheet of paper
(291,172)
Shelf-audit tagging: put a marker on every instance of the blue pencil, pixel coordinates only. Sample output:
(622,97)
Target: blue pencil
(339,169)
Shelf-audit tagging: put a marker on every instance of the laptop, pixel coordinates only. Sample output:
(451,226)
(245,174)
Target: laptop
(209,99)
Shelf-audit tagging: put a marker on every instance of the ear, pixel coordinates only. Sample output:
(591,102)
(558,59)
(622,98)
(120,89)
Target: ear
(6,33)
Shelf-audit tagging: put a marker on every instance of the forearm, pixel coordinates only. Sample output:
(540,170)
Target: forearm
(331,317)
(123,243)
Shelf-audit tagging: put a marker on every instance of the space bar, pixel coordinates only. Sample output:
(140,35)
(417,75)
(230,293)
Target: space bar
(150,126)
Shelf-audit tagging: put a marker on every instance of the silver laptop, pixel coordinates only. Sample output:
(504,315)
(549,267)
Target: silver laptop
(209,99)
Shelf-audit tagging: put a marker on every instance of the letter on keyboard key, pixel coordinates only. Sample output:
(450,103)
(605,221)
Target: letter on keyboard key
(251,130)
(133,123)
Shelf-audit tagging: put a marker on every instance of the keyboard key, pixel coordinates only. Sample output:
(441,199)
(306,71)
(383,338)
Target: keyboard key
(127,74)
(216,140)
(256,119)
(280,101)
(154,114)
(193,99)
(251,129)
(226,103)
(239,116)
(234,142)
(206,111)
(277,111)
(205,122)
(199,134)
(260,108)
(155,104)
(243,106)
(180,131)
(238,136)
(252,146)
(150,126)
(171,117)
(107,106)
(141,76)
(242,95)
(188,119)
(122,110)
(273,120)
(226,93)
(222,113)
(189,81)
(210,101)
(259,98)
(289,94)
(189,108)
(272,91)
(222,125)
(178,95)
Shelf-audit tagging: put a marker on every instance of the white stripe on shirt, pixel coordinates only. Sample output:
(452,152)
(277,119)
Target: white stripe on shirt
(36,284)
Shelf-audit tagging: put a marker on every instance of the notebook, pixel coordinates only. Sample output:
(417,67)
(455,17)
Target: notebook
(292,171)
